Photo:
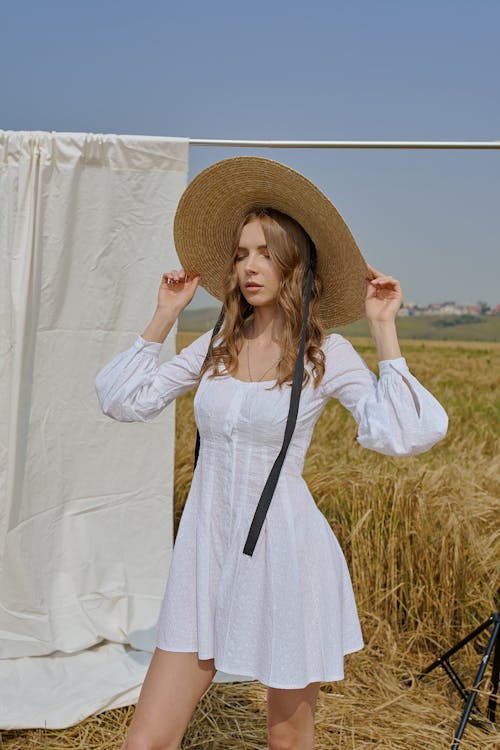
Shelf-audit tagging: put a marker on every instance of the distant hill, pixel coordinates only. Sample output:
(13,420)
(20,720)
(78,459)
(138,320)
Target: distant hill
(437,327)
(198,320)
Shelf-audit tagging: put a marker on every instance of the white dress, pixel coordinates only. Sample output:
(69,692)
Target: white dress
(285,615)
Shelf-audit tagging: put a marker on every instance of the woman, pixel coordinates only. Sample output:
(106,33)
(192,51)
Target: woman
(268,596)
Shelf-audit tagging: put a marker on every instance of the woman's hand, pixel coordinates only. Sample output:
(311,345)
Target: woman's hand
(383,297)
(176,290)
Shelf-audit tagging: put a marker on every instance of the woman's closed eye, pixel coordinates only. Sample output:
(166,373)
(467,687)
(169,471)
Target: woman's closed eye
(240,257)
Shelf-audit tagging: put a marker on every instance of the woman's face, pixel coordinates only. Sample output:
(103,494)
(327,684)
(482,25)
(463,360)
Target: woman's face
(254,265)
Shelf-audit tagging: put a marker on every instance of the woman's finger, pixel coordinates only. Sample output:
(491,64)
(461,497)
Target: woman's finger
(385,280)
(373,270)
(173,278)
(174,274)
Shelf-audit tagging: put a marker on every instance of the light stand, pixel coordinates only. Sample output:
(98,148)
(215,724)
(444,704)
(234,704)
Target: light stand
(470,696)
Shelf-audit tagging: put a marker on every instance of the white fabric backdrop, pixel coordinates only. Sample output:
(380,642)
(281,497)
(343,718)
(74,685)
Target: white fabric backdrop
(86,502)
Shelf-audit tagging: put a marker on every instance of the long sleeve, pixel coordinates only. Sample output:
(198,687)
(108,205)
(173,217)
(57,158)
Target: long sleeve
(134,387)
(395,414)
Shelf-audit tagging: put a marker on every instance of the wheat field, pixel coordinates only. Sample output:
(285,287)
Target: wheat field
(422,540)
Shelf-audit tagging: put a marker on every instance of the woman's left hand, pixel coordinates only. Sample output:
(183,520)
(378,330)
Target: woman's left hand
(383,297)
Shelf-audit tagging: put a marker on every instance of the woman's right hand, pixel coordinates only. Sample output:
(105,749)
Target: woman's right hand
(176,290)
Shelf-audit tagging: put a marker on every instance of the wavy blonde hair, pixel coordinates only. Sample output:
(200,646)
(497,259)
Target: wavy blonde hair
(289,246)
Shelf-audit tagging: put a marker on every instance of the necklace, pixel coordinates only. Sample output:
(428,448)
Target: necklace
(248,362)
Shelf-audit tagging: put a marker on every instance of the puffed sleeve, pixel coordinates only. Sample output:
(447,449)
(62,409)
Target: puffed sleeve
(395,414)
(134,387)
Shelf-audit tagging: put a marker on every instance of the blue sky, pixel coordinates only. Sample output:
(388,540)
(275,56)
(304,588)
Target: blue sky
(367,70)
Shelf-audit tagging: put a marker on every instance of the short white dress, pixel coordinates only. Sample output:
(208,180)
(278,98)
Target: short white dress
(286,615)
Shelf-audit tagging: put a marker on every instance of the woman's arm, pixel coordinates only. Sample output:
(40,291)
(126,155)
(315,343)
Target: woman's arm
(175,293)
(133,386)
(386,340)
(385,337)
(383,300)
(396,415)
(160,326)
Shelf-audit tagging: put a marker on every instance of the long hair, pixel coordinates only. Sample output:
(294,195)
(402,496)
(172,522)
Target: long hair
(289,246)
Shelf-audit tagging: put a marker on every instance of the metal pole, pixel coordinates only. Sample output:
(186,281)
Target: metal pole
(347,144)
(473,693)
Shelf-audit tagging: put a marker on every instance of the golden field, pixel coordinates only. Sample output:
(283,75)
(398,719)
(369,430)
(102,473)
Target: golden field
(422,540)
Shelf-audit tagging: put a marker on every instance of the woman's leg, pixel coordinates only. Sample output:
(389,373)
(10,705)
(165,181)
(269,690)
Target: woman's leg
(290,717)
(172,688)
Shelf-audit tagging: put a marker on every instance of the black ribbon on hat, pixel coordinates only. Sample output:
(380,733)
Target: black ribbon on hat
(272,480)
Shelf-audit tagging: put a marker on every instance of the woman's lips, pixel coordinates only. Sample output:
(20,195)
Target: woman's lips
(253,288)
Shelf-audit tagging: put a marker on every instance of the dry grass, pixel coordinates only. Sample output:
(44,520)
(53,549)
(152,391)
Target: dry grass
(422,540)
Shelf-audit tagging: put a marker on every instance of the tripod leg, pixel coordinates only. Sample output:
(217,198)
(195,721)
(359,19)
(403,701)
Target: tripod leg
(492,703)
(473,693)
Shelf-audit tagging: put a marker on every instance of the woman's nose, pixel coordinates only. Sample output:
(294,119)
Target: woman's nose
(250,263)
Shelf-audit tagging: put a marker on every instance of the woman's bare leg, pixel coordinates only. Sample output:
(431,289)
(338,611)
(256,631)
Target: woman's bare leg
(290,717)
(172,688)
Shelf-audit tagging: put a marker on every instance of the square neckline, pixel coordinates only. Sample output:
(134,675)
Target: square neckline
(250,382)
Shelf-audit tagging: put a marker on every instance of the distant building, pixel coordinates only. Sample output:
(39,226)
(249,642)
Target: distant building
(449,307)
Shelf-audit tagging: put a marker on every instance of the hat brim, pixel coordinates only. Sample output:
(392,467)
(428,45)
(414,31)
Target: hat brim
(217,199)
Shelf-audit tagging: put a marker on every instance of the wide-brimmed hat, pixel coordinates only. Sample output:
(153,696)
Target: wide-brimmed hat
(216,200)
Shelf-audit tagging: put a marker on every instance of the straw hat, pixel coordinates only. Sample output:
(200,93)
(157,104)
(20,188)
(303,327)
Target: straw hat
(215,201)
